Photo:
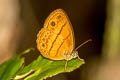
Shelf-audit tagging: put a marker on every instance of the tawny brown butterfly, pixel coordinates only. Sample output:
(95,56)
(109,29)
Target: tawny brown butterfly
(56,39)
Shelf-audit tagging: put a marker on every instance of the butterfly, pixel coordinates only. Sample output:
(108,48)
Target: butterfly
(56,40)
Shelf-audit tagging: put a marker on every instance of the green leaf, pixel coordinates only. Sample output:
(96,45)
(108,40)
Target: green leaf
(39,69)
(11,68)
(42,68)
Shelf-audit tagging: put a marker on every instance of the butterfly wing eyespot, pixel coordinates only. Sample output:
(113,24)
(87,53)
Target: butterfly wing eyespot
(55,20)
(59,16)
(53,23)
(43,42)
(43,45)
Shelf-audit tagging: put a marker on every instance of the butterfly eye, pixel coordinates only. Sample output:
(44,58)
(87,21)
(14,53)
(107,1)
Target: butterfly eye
(73,55)
(52,23)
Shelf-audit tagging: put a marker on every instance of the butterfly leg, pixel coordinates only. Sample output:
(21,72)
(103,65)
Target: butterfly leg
(67,56)
(78,55)
(66,65)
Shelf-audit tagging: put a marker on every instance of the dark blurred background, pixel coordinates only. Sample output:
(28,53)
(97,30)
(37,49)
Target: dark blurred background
(88,20)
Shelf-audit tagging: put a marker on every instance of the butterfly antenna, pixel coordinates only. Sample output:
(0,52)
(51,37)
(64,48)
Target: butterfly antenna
(83,44)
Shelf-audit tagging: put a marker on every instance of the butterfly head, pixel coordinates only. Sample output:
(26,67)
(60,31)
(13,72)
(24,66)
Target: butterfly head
(74,54)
